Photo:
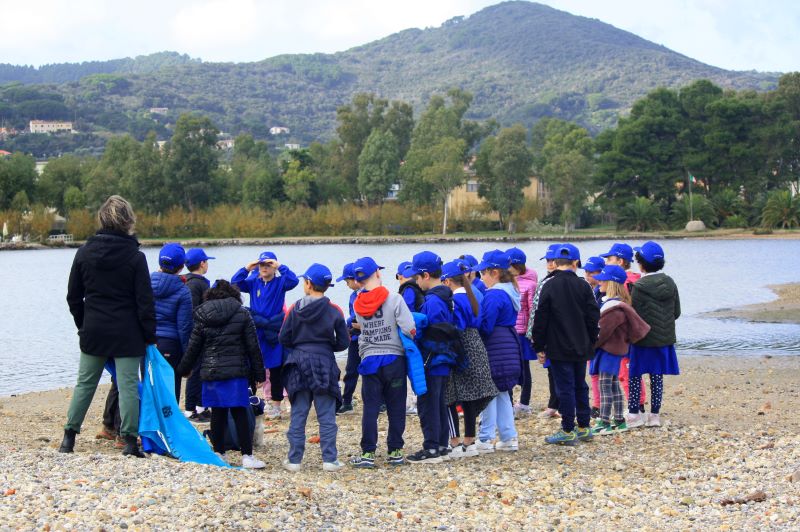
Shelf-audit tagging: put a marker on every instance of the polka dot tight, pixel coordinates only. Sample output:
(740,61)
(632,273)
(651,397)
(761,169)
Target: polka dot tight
(656,393)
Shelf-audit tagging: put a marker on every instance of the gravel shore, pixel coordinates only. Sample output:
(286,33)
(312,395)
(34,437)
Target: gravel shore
(730,433)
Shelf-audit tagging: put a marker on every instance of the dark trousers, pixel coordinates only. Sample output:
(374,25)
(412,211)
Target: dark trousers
(276,383)
(111,417)
(351,373)
(194,390)
(387,386)
(470,419)
(219,424)
(173,352)
(552,402)
(573,393)
(525,394)
(433,416)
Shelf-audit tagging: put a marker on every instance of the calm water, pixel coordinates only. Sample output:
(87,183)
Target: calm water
(39,344)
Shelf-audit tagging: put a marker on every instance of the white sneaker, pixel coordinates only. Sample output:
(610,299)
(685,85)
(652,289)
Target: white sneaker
(508,445)
(272,411)
(634,420)
(484,447)
(293,468)
(445,453)
(459,451)
(521,410)
(653,420)
(471,450)
(332,466)
(251,462)
(548,413)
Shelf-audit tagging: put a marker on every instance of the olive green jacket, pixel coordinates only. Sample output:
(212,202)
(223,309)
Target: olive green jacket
(655,299)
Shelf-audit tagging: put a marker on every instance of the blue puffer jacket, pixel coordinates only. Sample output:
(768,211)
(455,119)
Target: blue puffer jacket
(173,307)
(497,328)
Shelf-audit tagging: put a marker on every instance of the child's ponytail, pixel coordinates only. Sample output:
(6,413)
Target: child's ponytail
(473,301)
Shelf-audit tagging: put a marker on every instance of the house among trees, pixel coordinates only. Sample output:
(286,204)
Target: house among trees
(292,146)
(159,110)
(278,130)
(50,126)
(225,144)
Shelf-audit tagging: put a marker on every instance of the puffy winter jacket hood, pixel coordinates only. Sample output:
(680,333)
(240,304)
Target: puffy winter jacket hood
(217,312)
(165,284)
(311,309)
(106,250)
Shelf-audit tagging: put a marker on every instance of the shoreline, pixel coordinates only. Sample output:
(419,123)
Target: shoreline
(717,234)
(728,432)
(784,309)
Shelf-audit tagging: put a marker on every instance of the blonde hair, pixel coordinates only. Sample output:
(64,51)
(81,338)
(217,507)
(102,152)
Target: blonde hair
(619,291)
(116,214)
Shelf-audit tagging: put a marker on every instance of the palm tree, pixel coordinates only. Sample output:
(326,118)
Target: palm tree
(640,215)
(782,210)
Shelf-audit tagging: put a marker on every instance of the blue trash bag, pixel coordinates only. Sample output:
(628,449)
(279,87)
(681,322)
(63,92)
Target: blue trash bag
(415,368)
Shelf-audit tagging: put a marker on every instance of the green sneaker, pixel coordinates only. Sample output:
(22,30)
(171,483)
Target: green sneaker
(562,438)
(365,461)
(584,433)
(396,458)
(600,427)
(620,426)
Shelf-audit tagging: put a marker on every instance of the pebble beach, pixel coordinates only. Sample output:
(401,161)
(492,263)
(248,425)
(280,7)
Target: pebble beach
(727,457)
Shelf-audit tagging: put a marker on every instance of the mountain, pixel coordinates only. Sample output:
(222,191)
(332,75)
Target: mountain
(521,60)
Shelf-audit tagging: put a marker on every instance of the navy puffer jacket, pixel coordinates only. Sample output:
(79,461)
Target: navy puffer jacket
(505,357)
(173,307)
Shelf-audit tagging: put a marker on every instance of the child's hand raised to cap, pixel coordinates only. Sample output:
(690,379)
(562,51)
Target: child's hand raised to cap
(272,262)
(251,266)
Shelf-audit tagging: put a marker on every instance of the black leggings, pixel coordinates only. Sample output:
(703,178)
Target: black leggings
(276,383)
(553,401)
(219,425)
(470,419)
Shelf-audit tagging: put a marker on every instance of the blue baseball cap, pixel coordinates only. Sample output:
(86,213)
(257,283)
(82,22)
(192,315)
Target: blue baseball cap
(364,267)
(403,267)
(470,261)
(265,256)
(171,256)
(494,259)
(517,256)
(319,275)
(623,251)
(454,268)
(425,262)
(347,272)
(612,272)
(550,254)
(196,256)
(650,251)
(594,264)
(568,251)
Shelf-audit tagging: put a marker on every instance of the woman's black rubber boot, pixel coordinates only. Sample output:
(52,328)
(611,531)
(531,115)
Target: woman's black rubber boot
(68,443)
(132,447)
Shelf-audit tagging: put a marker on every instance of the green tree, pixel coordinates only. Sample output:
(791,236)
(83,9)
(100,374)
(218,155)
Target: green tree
(17,174)
(59,175)
(356,121)
(782,210)
(642,214)
(191,176)
(378,166)
(298,183)
(445,171)
(74,199)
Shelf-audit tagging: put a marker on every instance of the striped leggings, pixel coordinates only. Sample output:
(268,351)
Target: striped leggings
(611,396)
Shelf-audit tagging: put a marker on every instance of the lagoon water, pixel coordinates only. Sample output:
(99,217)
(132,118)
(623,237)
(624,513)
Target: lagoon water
(39,344)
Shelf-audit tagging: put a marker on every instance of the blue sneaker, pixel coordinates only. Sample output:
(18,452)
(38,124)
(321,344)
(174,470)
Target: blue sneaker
(584,433)
(562,438)
(365,461)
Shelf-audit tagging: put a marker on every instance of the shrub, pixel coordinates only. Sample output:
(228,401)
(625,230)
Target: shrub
(735,221)
(701,210)
(782,210)
(640,215)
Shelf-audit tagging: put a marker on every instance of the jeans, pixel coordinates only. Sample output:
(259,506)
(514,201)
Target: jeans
(387,386)
(573,393)
(498,415)
(351,373)
(90,368)
(325,406)
(433,415)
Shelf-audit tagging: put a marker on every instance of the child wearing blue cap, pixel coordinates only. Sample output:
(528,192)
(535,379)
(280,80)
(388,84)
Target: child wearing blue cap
(527,281)
(655,297)
(479,288)
(471,388)
(434,420)
(564,332)
(173,308)
(353,360)
(497,326)
(619,325)
(196,282)
(383,317)
(267,292)
(412,294)
(313,331)
(592,267)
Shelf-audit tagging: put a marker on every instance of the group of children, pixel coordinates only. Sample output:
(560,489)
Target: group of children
(475,326)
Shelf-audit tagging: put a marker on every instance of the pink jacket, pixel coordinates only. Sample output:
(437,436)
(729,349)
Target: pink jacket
(527,289)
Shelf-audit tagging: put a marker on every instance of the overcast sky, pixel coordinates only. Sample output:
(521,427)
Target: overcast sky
(735,34)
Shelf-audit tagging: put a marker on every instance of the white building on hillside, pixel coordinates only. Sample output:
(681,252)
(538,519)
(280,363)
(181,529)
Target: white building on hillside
(278,130)
(50,126)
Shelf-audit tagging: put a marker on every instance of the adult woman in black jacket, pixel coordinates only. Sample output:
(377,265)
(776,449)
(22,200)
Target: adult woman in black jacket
(111,301)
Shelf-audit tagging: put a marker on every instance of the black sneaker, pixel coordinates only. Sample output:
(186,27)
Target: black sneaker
(382,408)
(202,417)
(344,410)
(444,453)
(595,413)
(428,456)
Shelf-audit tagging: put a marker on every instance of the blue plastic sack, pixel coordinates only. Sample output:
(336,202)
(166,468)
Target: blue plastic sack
(415,367)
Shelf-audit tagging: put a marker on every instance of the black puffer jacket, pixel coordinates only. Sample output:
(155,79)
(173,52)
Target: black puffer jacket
(655,299)
(225,337)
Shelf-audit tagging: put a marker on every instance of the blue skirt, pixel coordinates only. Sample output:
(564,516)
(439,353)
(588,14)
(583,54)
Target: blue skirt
(230,393)
(527,348)
(605,362)
(653,361)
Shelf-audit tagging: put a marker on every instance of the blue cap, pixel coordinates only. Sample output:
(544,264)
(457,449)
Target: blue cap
(347,272)
(470,261)
(550,254)
(494,259)
(517,256)
(650,251)
(196,256)
(402,267)
(567,251)
(425,262)
(623,251)
(319,275)
(594,264)
(364,267)
(265,256)
(171,256)
(454,268)
(612,272)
